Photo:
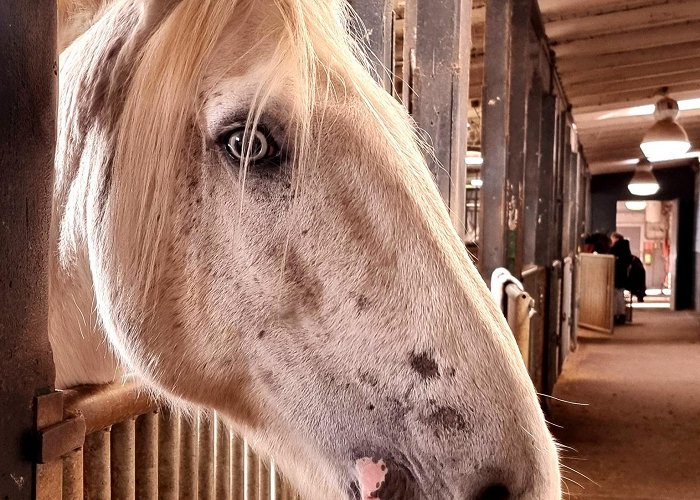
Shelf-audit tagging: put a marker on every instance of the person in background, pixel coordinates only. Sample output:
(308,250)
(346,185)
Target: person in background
(623,259)
(597,243)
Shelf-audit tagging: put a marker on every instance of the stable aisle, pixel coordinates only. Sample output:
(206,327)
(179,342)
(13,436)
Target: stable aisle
(639,435)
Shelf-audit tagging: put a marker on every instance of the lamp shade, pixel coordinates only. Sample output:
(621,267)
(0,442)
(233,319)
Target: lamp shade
(474,158)
(665,140)
(643,182)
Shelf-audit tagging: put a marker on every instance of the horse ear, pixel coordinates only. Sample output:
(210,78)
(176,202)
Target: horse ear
(75,17)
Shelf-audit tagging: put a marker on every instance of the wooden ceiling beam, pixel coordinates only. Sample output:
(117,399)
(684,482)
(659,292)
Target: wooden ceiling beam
(687,118)
(619,60)
(604,145)
(617,100)
(623,20)
(631,84)
(631,40)
(564,9)
(601,104)
(649,69)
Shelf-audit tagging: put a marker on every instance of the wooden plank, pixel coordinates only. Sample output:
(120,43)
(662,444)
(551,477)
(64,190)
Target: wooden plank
(613,22)
(546,204)
(565,9)
(223,461)
(376,15)
(96,466)
(27,138)
(651,68)
(506,87)
(616,100)
(596,281)
(104,405)
(168,453)
(123,461)
(532,170)
(631,40)
(436,70)
(631,84)
(188,458)
(147,457)
(206,457)
(574,64)
(73,476)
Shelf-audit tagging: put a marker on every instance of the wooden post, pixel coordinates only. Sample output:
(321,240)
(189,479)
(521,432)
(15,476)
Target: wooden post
(123,461)
(237,467)
(223,461)
(377,17)
(168,446)
(206,456)
(546,205)
(187,474)
(147,456)
(437,44)
(506,86)
(27,140)
(96,466)
(532,170)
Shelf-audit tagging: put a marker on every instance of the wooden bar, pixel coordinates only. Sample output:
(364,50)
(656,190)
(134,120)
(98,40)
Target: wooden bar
(237,467)
(436,51)
(73,476)
(251,474)
(188,458)
(168,448)
(123,461)
(532,170)
(377,17)
(147,457)
(206,457)
(223,461)
(263,480)
(96,466)
(546,205)
(27,139)
(504,127)
(104,405)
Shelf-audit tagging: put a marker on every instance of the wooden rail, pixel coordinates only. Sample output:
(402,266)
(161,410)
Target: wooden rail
(116,442)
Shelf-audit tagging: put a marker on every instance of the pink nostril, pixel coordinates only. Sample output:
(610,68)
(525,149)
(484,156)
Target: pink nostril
(496,491)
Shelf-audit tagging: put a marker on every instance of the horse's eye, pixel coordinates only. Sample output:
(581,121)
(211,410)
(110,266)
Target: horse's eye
(256,145)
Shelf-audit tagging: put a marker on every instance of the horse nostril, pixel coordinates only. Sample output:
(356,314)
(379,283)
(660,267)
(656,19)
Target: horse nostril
(496,491)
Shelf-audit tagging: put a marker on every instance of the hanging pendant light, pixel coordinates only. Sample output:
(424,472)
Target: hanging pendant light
(474,158)
(666,139)
(644,182)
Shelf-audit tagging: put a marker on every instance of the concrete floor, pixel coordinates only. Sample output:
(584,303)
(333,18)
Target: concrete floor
(639,435)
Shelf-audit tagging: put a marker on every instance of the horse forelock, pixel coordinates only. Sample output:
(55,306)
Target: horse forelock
(167,92)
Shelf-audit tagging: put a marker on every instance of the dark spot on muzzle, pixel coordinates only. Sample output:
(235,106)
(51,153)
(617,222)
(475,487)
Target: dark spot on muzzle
(424,365)
(446,419)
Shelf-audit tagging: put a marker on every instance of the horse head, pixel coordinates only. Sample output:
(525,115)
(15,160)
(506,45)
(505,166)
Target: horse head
(262,237)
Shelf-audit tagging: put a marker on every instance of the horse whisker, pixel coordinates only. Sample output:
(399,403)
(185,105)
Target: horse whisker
(562,400)
(579,473)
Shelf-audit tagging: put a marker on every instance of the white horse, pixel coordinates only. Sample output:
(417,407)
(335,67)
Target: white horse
(243,218)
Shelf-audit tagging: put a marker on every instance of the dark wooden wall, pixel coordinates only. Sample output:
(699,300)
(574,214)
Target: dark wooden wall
(27,135)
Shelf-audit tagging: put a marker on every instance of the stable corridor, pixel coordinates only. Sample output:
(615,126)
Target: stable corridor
(639,435)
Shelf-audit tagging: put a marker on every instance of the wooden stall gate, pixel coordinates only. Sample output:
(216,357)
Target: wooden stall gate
(115,442)
(597,291)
